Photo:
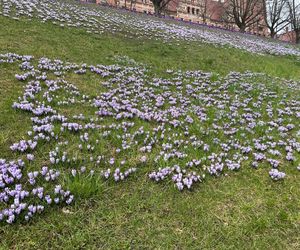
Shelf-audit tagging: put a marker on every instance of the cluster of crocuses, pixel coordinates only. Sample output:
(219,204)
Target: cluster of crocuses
(181,177)
(23,145)
(117,175)
(71,126)
(101,19)
(19,200)
(276,175)
(185,119)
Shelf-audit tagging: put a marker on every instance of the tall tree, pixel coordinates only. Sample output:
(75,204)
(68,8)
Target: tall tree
(203,10)
(294,17)
(132,4)
(245,13)
(160,5)
(276,16)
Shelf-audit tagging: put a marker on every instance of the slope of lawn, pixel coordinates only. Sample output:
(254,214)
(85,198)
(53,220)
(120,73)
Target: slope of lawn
(244,210)
(44,39)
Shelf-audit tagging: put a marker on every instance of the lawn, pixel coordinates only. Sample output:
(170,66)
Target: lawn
(243,209)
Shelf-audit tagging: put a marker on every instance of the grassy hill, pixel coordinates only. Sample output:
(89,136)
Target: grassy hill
(242,209)
(44,39)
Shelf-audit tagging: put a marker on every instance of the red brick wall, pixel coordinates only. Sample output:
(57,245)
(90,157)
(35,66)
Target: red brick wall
(289,36)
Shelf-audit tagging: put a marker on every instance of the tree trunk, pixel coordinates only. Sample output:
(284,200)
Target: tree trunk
(272,33)
(297,33)
(156,8)
(242,27)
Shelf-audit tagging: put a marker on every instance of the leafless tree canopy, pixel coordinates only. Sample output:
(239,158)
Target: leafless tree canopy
(245,13)
(276,15)
(294,17)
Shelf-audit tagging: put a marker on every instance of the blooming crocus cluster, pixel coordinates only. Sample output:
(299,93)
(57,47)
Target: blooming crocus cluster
(276,175)
(10,172)
(118,175)
(16,197)
(30,157)
(274,163)
(72,126)
(161,174)
(180,177)
(23,145)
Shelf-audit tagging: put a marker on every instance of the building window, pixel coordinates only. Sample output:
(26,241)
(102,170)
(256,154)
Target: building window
(197,11)
(188,9)
(193,11)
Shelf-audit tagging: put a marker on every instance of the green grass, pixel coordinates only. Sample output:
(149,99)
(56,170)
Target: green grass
(244,210)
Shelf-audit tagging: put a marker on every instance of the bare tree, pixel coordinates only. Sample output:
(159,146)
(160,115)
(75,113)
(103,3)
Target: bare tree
(294,17)
(132,4)
(203,10)
(276,16)
(207,9)
(245,13)
(160,5)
